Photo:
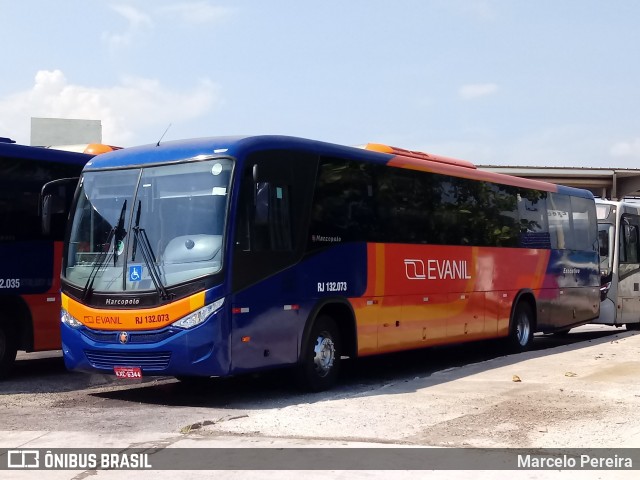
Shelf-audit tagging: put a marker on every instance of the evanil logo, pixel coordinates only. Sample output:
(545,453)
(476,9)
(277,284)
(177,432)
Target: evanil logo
(416,269)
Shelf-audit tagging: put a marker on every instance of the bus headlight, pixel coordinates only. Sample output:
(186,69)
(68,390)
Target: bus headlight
(68,319)
(196,318)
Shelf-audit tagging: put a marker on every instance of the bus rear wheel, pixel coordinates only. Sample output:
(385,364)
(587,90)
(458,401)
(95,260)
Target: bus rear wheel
(632,326)
(8,350)
(521,328)
(320,362)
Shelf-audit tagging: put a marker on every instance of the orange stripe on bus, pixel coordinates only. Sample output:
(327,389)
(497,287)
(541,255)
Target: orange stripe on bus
(130,319)
(444,169)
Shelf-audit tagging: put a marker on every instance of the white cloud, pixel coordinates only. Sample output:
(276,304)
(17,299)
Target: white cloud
(135,17)
(626,149)
(196,12)
(473,91)
(125,109)
(137,22)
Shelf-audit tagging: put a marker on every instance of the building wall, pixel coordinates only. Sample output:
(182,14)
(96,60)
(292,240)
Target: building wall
(63,131)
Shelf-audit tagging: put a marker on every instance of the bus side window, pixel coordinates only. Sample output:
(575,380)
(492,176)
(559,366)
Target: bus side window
(272,218)
(583,219)
(342,204)
(272,213)
(534,222)
(629,241)
(559,216)
(603,241)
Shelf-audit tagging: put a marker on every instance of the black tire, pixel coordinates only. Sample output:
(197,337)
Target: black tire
(632,326)
(8,350)
(521,328)
(319,364)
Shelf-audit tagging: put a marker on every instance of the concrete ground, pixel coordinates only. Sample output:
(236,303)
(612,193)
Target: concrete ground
(577,395)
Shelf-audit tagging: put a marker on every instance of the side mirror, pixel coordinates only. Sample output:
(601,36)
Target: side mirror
(45,215)
(55,200)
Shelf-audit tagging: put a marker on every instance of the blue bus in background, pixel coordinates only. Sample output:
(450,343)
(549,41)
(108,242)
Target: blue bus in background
(36,189)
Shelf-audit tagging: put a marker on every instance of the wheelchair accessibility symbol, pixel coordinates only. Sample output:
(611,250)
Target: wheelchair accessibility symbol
(135,273)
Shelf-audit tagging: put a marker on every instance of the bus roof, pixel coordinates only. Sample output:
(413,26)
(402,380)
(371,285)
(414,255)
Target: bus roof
(91,148)
(43,154)
(236,146)
(379,147)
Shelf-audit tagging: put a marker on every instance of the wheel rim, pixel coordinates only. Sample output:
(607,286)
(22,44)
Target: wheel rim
(523,329)
(324,354)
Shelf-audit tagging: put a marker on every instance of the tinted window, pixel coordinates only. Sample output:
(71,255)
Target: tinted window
(407,204)
(272,214)
(360,202)
(629,240)
(21,181)
(421,207)
(343,206)
(559,215)
(496,215)
(534,222)
(583,214)
(375,203)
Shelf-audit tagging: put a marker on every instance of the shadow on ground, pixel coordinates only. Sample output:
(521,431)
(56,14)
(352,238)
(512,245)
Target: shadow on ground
(366,376)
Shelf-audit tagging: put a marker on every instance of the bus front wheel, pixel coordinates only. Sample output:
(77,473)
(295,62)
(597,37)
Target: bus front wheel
(521,328)
(320,362)
(8,350)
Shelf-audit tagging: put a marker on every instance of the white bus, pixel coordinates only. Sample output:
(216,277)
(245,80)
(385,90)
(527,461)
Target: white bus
(619,239)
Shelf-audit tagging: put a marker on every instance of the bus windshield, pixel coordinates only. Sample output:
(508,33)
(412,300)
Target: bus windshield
(148,228)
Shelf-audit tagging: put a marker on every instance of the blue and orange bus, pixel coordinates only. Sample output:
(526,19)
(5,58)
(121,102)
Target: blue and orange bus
(36,190)
(221,256)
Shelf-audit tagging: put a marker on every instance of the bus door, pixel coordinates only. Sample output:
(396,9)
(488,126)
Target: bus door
(271,216)
(629,269)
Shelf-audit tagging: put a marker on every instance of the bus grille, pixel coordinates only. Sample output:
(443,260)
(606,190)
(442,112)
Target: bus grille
(145,360)
(142,337)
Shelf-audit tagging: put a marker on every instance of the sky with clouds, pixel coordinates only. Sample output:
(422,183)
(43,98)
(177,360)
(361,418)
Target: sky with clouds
(496,82)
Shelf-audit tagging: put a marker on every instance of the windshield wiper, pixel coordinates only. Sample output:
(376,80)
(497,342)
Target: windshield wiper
(150,260)
(116,231)
(140,238)
(119,234)
(135,237)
